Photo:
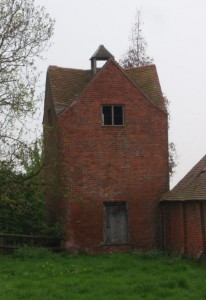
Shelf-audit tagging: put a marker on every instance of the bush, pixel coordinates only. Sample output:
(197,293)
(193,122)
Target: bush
(22,204)
(149,254)
(34,253)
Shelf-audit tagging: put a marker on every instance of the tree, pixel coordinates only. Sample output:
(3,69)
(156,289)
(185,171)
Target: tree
(173,158)
(25,31)
(22,203)
(136,56)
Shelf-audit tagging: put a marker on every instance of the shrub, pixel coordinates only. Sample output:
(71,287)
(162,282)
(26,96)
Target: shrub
(34,253)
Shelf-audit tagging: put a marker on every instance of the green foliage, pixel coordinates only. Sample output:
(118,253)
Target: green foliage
(25,32)
(149,254)
(32,253)
(22,201)
(173,158)
(136,55)
(23,213)
(21,205)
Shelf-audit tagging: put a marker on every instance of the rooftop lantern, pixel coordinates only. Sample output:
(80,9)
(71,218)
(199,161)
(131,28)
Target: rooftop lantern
(100,54)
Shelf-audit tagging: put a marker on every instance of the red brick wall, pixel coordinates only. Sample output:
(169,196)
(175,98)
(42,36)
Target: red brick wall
(51,166)
(203,224)
(194,229)
(184,227)
(173,227)
(105,163)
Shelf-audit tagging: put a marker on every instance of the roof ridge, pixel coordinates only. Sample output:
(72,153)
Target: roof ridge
(195,168)
(140,67)
(67,69)
(72,82)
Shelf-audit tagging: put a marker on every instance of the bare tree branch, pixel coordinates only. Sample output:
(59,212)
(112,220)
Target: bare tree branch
(25,31)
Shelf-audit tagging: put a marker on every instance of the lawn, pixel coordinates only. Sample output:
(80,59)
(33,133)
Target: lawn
(41,276)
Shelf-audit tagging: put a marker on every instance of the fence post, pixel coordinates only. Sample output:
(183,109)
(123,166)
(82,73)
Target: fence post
(1,244)
(31,243)
(62,244)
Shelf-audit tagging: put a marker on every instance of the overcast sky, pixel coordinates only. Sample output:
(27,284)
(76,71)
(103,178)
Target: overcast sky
(175,33)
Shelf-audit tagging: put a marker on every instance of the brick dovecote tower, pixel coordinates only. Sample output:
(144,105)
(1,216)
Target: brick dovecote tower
(106,154)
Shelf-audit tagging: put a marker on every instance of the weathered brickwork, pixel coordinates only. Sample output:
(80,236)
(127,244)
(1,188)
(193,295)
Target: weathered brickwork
(108,185)
(98,164)
(184,214)
(184,227)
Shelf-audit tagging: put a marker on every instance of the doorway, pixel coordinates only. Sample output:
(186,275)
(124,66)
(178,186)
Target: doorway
(115,222)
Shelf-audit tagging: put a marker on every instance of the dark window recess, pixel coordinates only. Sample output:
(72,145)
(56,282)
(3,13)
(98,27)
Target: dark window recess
(112,115)
(107,114)
(115,223)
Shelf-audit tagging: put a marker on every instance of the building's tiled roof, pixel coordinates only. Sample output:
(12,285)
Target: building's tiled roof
(192,186)
(67,84)
(146,78)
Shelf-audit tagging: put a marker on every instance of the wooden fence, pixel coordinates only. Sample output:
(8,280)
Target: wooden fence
(15,241)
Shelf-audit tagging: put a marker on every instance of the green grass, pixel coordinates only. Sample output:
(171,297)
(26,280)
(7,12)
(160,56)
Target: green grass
(43,276)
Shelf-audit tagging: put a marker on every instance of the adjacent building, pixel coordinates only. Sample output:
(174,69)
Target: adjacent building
(184,214)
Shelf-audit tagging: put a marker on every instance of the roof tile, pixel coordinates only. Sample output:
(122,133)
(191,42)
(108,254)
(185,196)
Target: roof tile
(67,84)
(192,186)
(146,78)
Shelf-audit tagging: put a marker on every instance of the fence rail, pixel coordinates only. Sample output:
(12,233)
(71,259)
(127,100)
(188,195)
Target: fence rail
(15,241)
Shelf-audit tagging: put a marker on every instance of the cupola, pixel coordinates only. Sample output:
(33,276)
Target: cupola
(100,54)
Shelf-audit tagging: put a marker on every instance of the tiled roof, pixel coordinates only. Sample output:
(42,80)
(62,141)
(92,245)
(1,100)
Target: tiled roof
(67,84)
(146,78)
(192,186)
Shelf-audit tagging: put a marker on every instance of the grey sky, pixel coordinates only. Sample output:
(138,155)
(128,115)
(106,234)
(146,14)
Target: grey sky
(175,33)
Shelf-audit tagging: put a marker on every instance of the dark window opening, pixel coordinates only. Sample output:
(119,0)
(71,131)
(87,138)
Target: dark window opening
(115,222)
(107,114)
(112,115)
